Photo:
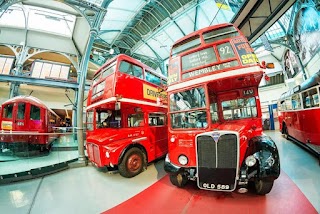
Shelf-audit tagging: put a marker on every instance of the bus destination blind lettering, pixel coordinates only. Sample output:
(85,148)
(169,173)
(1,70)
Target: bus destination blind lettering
(173,70)
(209,69)
(245,52)
(152,93)
(199,58)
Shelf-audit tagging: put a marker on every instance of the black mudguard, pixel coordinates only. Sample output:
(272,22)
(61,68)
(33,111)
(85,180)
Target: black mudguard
(170,167)
(265,151)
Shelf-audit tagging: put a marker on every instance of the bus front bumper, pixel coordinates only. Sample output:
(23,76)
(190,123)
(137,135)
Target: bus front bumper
(170,167)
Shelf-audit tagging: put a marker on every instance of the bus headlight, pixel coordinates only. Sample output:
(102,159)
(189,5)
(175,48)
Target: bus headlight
(251,161)
(172,139)
(107,154)
(183,160)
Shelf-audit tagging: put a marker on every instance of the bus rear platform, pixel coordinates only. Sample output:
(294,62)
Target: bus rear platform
(88,190)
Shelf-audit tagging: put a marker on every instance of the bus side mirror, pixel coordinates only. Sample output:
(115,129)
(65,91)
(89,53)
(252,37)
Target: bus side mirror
(265,65)
(270,65)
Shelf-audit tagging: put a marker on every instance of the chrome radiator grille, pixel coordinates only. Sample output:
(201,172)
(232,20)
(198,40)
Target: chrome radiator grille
(217,160)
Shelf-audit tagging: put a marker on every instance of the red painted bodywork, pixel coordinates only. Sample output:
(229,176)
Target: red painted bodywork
(227,84)
(128,91)
(185,140)
(115,141)
(27,130)
(302,125)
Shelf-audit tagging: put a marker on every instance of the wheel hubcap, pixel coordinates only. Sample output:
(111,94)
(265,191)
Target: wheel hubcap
(134,162)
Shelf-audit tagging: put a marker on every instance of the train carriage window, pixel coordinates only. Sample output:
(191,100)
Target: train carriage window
(34,113)
(7,111)
(21,110)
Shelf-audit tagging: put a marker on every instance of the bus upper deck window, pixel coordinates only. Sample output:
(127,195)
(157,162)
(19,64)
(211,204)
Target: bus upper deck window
(131,69)
(125,67)
(137,71)
(186,44)
(109,70)
(153,78)
(219,34)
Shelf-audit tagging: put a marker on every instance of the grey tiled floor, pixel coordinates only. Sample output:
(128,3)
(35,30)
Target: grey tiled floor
(87,190)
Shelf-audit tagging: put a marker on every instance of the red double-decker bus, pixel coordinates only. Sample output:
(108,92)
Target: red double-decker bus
(214,119)
(126,116)
(298,111)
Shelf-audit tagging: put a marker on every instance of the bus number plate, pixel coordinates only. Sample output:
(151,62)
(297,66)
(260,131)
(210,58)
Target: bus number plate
(217,187)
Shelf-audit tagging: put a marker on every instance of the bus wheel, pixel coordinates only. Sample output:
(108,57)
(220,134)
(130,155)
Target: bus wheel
(179,179)
(285,132)
(133,162)
(263,187)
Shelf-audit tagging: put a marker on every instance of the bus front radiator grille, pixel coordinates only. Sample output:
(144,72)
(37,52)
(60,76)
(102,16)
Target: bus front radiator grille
(94,153)
(217,161)
(220,154)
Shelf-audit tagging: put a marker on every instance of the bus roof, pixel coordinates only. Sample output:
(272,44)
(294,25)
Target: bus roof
(312,81)
(126,57)
(203,30)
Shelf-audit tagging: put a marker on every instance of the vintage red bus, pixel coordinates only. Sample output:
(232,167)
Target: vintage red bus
(126,116)
(298,111)
(214,118)
(27,123)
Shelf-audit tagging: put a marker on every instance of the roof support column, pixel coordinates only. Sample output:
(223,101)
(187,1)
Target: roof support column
(80,94)
(17,70)
(95,26)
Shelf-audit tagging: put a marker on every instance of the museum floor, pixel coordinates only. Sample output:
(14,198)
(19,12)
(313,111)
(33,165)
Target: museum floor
(88,190)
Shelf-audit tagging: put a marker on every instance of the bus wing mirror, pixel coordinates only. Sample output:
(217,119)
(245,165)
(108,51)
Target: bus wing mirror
(265,65)
(270,65)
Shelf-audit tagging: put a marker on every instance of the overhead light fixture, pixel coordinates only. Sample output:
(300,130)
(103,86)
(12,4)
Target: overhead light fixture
(89,13)
(111,51)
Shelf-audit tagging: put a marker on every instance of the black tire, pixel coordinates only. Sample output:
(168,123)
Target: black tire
(285,132)
(179,179)
(133,163)
(263,187)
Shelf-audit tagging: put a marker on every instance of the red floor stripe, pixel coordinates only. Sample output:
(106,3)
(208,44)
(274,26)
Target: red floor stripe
(163,197)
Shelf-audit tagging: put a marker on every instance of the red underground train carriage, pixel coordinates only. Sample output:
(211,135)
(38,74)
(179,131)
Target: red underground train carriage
(26,123)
